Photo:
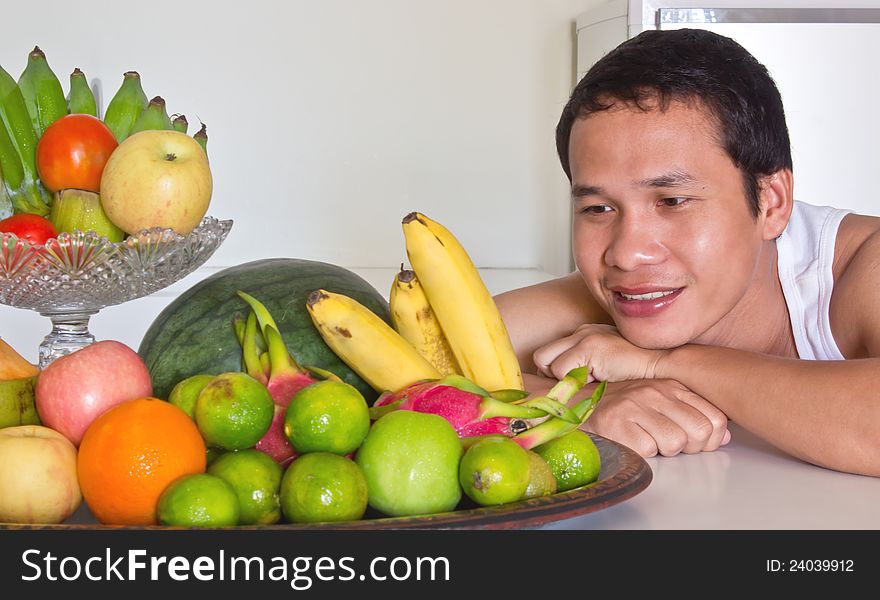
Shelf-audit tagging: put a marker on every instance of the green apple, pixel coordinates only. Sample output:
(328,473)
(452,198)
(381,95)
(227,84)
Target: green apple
(157,179)
(37,475)
(410,461)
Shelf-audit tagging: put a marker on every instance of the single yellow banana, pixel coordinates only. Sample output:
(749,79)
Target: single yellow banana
(464,307)
(366,343)
(414,319)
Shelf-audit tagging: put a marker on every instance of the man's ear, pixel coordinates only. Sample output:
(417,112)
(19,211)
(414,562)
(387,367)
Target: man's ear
(777,202)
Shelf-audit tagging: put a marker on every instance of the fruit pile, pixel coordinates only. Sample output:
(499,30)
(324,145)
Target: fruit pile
(263,438)
(63,169)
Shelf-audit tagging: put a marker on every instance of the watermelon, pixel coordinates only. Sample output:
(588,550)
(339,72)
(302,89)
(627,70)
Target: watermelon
(195,335)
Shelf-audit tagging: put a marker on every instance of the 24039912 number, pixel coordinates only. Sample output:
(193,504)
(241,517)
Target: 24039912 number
(820,565)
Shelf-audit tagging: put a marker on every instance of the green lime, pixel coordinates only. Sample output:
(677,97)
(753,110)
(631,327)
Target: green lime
(328,416)
(234,411)
(494,471)
(256,479)
(542,481)
(199,500)
(322,486)
(185,393)
(573,458)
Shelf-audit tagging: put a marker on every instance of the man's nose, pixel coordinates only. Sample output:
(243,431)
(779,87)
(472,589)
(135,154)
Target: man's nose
(635,242)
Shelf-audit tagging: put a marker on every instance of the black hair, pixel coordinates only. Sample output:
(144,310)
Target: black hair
(687,65)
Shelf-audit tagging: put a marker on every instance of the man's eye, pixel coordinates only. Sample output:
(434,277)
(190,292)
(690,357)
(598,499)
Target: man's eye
(596,209)
(676,201)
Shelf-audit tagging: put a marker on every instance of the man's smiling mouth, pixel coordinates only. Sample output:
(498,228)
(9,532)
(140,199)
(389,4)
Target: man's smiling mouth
(647,296)
(644,301)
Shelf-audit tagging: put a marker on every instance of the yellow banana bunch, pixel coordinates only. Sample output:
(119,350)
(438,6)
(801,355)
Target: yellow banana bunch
(366,343)
(465,309)
(414,319)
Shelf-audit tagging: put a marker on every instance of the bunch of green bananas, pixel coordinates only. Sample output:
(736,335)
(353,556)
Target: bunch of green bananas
(36,100)
(129,113)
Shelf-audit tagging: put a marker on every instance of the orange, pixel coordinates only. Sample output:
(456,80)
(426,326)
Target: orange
(131,453)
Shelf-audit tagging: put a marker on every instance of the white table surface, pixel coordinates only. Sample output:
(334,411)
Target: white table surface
(747,484)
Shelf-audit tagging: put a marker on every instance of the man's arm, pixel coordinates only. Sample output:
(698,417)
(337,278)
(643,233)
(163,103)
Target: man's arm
(824,412)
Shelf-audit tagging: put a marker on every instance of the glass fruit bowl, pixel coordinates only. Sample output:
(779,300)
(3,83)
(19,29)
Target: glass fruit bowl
(74,276)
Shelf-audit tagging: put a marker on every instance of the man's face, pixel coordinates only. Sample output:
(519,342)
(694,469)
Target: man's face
(663,234)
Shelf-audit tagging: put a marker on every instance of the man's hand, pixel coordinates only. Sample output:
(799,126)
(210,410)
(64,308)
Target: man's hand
(652,416)
(658,416)
(609,356)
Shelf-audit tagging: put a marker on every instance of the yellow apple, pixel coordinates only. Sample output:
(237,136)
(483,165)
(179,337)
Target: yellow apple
(37,475)
(157,179)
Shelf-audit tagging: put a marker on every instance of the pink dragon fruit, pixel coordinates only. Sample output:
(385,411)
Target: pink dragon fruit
(463,410)
(285,377)
(470,410)
(275,443)
(277,369)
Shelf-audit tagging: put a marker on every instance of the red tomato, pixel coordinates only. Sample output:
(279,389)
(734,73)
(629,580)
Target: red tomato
(33,229)
(72,153)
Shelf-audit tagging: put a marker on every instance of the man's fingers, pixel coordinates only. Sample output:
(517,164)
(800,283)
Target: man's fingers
(716,418)
(670,438)
(632,436)
(553,358)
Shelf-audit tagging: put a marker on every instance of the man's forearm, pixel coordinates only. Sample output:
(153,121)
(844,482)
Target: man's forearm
(825,412)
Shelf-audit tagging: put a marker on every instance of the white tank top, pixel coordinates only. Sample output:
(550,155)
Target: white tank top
(805,257)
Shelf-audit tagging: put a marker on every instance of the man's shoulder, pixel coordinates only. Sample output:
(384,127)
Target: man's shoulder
(858,237)
(855,302)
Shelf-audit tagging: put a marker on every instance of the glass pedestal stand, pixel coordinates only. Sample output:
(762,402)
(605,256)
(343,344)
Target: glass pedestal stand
(70,332)
(71,278)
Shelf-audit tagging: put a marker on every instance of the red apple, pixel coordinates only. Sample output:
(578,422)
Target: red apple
(74,389)
(37,476)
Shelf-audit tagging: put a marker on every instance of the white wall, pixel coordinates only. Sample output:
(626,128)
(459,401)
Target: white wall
(329,121)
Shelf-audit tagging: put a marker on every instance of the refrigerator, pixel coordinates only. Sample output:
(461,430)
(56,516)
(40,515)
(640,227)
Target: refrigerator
(823,57)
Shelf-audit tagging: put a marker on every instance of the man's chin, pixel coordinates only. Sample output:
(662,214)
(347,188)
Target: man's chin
(654,340)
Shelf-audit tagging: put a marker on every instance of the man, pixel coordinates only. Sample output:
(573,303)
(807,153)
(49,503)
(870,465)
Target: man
(702,286)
